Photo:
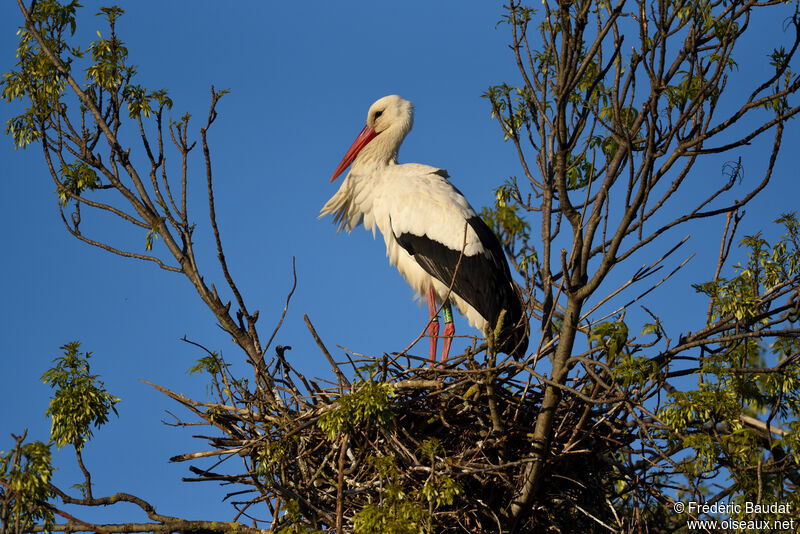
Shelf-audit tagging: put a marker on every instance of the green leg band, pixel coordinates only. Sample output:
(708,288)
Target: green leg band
(448,312)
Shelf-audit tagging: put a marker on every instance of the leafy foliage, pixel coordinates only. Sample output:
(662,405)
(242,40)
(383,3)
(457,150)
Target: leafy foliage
(402,510)
(77,178)
(25,473)
(735,386)
(37,77)
(611,336)
(369,405)
(80,399)
(41,77)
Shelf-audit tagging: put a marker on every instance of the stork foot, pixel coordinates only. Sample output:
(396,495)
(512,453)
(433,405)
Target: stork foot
(433,333)
(433,325)
(447,339)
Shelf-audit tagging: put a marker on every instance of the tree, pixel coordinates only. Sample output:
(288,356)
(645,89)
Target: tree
(596,429)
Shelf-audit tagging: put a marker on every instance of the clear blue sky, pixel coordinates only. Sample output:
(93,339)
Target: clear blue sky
(301,82)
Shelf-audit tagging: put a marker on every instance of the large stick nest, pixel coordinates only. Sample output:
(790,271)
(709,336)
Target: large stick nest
(397,437)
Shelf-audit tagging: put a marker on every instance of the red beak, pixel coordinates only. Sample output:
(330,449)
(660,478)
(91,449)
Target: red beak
(366,135)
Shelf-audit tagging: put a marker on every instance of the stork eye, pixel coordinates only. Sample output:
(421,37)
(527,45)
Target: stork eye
(377,114)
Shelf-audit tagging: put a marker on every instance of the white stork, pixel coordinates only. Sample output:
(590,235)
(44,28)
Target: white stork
(423,219)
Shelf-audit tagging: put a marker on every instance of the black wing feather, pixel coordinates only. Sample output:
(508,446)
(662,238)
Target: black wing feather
(483,280)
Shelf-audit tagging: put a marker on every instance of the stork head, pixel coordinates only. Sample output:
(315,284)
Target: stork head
(391,117)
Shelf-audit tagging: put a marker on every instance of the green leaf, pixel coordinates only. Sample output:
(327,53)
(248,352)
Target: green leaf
(79,401)
(368,405)
(27,470)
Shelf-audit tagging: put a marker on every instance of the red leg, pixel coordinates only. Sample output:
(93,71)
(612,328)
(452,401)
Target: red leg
(449,330)
(433,326)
